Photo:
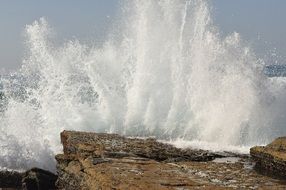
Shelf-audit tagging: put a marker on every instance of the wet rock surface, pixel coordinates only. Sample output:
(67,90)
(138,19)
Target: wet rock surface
(271,159)
(108,161)
(33,179)
(10,179)
(231,173)
(39,179)
(83,144)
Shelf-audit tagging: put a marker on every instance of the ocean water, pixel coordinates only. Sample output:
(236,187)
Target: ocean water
(164,71)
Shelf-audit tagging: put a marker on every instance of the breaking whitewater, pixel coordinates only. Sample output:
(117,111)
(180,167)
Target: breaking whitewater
(164,72)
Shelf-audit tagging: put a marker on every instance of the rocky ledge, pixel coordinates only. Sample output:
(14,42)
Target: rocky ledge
(109,161)
(271,159)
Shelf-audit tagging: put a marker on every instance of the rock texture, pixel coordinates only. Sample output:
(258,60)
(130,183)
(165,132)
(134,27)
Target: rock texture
(33,179)
(40,179)
(94,161)
(10,179)
(271,158)
(109,161)
(99,145)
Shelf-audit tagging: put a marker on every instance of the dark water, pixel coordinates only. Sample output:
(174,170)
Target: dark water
(275,70)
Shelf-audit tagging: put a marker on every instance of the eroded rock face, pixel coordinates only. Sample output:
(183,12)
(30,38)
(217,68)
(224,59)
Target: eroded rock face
(271,158)
(108,161)
(83,144)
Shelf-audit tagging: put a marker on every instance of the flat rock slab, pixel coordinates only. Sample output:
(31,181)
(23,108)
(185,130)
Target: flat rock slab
(85,144)
(127,173)
(136,173)
(108,161)
(232,175)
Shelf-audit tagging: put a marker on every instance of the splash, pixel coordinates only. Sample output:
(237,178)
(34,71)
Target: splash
(167,73)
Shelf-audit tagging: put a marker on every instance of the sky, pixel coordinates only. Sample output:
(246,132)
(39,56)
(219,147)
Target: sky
(262,23)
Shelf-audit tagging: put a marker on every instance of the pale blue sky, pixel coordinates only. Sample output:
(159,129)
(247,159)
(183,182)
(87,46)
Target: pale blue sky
(260,22)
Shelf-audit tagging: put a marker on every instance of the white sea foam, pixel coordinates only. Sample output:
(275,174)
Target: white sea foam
(166,72)
(212,146)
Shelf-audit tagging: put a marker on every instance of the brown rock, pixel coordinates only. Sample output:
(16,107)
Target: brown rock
(109,161)
(125,173)
(83,144)
(271,158)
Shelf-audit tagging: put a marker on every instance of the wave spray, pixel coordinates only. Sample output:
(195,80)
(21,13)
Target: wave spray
(166,72)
